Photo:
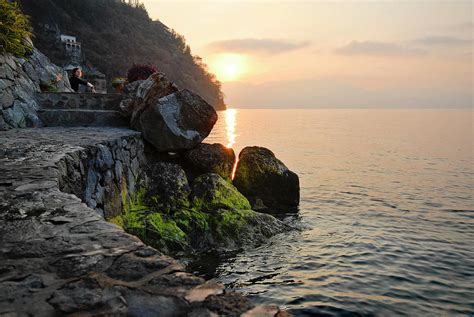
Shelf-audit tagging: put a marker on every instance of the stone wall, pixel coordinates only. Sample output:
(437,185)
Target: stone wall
(73,100)
(105,175)
(20,80)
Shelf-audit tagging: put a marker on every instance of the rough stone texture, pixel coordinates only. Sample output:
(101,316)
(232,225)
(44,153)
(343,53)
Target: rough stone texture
(177,122)
(128,97)
(211,192)
(167,186)
(58,256)
(148,92)
(20,79)
(170,120)
(80,109)
(210,158)
(266,182)
(74,100)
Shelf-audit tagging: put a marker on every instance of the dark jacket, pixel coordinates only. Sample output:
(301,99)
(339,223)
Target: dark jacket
(76,81)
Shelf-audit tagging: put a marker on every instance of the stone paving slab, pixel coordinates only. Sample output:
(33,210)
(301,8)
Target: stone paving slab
(59,257)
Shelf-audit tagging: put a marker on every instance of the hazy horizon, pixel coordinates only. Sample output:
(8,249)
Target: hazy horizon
(314,54)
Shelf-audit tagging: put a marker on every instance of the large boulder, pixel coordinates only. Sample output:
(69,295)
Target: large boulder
(167,186)
(266,182)
(148,92)
(210,192)
(169,119)
(211,158)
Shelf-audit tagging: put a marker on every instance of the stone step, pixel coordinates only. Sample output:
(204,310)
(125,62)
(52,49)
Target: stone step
(83,101)
(81,117)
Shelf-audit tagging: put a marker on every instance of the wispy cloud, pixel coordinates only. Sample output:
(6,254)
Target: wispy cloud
(377,48)
(262,46)
(442,41)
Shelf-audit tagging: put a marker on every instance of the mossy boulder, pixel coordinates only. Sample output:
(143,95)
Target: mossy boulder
(266,182)
(210,158)
(210,192)
(159,230)
(165,213)
(232,229)
(168,187)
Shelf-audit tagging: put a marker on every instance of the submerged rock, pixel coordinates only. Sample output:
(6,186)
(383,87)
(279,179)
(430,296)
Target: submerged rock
(211,192)
(211,158)
(169,119)
(234,229)
(266,182)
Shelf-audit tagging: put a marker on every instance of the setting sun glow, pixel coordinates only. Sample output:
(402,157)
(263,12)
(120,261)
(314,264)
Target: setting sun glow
(228,67)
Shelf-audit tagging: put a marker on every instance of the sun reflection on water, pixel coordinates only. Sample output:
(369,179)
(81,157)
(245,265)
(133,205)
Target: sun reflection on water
(230,122)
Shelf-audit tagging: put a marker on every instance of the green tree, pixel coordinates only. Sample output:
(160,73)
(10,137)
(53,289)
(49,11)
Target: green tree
(15,29)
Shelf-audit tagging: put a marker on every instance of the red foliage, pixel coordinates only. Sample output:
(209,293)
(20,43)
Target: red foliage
(140,72)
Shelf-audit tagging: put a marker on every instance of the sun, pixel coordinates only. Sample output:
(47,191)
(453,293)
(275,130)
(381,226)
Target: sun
(228,67)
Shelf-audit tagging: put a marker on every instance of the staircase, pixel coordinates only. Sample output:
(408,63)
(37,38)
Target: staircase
(80,109)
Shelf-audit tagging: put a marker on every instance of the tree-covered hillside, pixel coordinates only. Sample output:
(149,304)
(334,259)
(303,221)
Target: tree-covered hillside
(115,35)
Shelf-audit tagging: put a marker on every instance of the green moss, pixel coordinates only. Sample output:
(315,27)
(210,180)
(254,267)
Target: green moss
(167,229)
(227,224)
(234,218)
(118,220)
(220,195)
(189,219)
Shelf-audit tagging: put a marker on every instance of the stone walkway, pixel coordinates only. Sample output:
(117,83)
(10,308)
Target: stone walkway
(58,256)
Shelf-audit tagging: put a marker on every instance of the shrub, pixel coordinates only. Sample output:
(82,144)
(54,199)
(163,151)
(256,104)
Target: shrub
(15,29)
(118,81)
(140,72)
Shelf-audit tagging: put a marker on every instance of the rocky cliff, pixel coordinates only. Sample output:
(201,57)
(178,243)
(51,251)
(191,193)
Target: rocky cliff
(20,80)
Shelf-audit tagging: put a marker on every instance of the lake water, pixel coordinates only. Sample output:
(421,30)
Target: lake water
(387,212)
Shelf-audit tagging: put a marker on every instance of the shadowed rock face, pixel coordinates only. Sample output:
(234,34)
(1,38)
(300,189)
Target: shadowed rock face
(266,182)
(169,187)
(178,121)
(20,80)
(211,158)
(170,120)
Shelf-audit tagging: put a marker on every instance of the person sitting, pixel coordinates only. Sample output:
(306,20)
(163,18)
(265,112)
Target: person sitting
(78,84)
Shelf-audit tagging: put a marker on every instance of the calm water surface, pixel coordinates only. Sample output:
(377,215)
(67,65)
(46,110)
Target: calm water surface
(387,212)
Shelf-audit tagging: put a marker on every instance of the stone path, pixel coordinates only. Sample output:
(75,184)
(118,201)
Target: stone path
(58,256)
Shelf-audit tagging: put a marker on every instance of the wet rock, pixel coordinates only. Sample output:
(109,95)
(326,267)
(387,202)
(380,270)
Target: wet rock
(211,192)
(201,292)
(266,182)
(234,229)
(168,187)
(228,304)
(211,158)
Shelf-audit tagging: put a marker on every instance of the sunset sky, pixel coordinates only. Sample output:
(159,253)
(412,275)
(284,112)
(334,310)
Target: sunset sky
(272,54)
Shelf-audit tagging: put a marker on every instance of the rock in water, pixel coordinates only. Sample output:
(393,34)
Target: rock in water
(211,158)
(170,120)
(266,182)
(211,192)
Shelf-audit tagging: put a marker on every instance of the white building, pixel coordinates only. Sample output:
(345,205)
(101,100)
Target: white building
(73,48)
